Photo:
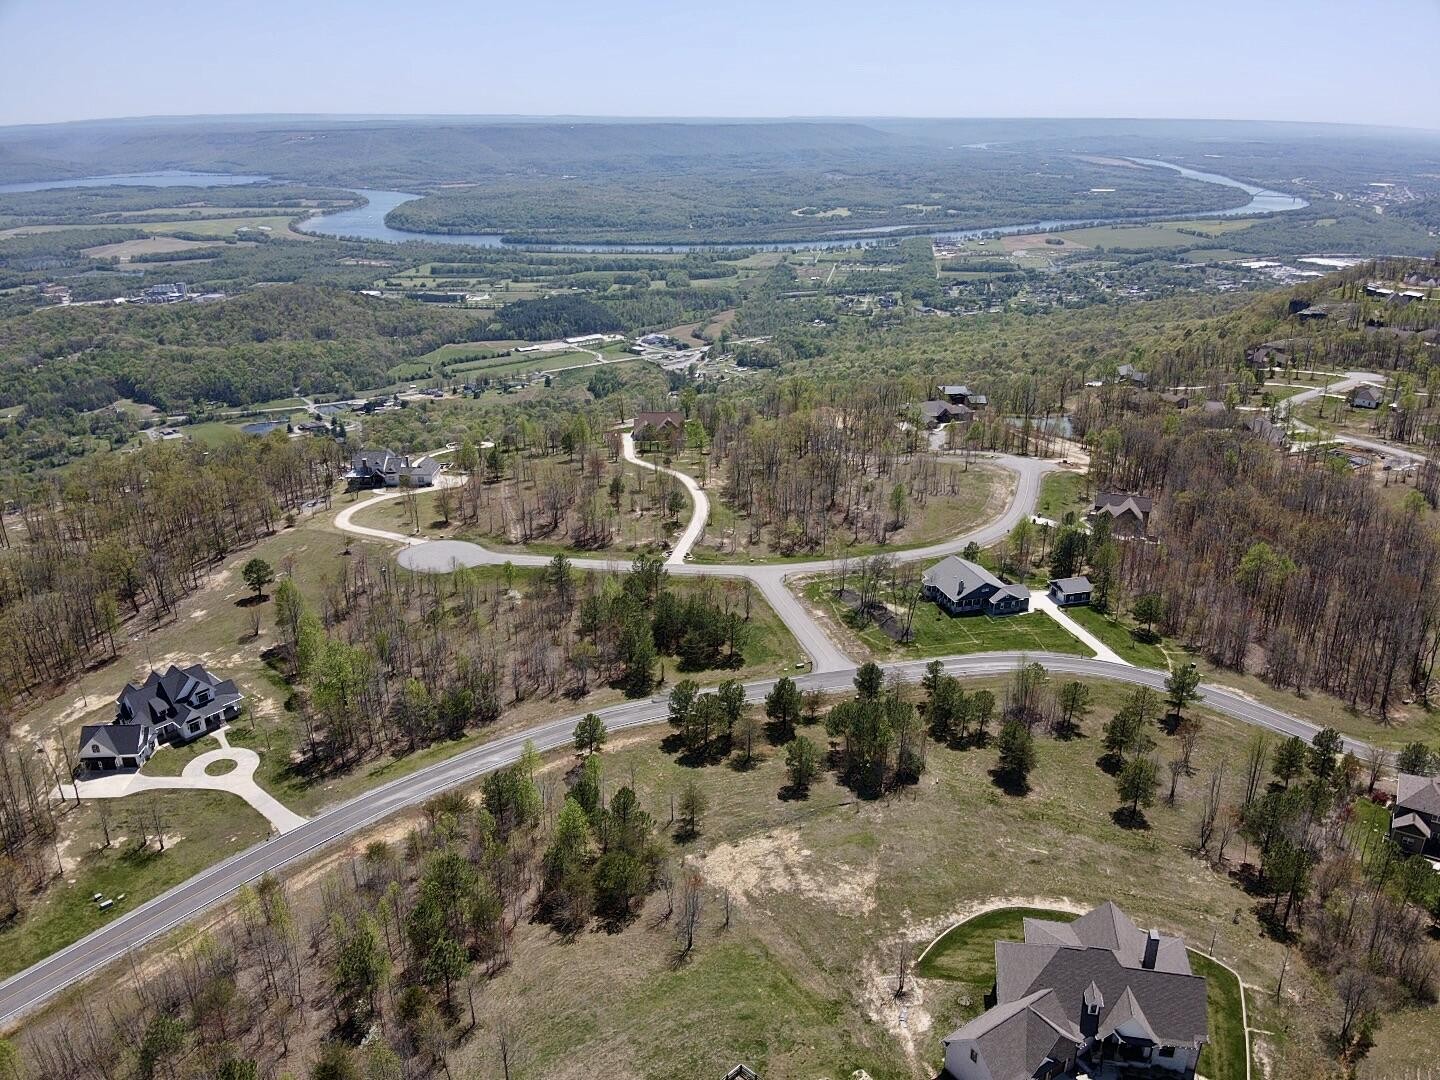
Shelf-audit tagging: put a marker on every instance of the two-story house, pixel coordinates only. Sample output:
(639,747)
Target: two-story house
(180,705)
(1415,817)
(1081,998)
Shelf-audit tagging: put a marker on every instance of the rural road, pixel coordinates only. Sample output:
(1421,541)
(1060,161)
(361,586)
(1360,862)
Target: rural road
(1351,380)
(831,671)
(32,987)
(441,556)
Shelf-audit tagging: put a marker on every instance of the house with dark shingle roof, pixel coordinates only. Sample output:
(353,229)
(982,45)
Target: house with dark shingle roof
(936,413)
(1415,817)
(1129,514)
(1076,998)
(180,705)
(660,428)
(961,587)
(1071,590)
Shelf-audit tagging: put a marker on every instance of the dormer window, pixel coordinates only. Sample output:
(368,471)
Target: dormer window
(1092,1010)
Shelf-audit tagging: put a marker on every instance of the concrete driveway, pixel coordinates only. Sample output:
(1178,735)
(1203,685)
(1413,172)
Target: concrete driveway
(238,781)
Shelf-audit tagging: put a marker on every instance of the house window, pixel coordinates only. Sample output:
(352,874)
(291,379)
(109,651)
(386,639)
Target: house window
(1167,1051)
(1093,1010)
(974,1054)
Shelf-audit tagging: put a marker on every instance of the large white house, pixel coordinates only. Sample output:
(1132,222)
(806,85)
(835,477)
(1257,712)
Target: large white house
(1074,998)
(180,705)
(376,468)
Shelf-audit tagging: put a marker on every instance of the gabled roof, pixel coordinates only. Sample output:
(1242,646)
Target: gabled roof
(954,390)
(658,419)
(169,696)
(1417,793)
(958,578)
(1413,823)
(1013,1037)
(1073,584)
(119,740)
(1127,1019)
(1116,503)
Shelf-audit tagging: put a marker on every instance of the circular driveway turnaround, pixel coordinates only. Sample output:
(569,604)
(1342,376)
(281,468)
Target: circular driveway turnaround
(239,780)
(36,984)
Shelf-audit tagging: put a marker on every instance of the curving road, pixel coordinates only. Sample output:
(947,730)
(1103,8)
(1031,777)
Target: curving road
(698,516)
(440,556)
(32,987)
(1351,380)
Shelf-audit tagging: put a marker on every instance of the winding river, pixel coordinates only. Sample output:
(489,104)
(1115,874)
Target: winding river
(368,222)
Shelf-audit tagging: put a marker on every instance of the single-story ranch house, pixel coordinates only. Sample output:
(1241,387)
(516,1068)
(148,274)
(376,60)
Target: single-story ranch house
(1366,396)
(385,468)
(180,705)
(1415,817)
(944,412)
(1083,998)
(1071,590)
(960,587)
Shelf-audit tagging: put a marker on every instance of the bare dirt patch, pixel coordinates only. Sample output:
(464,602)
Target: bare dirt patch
(777,862)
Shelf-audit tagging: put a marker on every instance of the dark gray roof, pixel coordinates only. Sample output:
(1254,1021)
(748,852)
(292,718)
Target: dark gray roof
(1418,793)
(163,698)
(955,389)
(119,740)
(957,578)
(1073,584)
(1117,502)
(1014,1037)
(1412,821)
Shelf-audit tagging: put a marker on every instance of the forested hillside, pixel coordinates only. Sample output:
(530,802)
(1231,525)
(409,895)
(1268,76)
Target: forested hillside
(250,348)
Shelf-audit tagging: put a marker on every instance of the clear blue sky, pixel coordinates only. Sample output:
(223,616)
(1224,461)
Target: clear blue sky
(1358,61)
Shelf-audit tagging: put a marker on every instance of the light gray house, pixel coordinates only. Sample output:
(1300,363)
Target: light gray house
(1366,396)
(1071,590)
(1078,998)
(385,468)
(180,705)
(1415,817)
(961,587)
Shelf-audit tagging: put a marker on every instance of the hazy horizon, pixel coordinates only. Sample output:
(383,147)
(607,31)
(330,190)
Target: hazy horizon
(644,60)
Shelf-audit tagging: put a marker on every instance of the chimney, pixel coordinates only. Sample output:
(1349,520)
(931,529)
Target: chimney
(1152,949)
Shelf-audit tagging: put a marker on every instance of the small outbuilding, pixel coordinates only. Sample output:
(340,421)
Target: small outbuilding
(1068,591)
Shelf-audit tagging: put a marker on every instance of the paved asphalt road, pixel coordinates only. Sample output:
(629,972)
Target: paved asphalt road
(441,556)
(35,985)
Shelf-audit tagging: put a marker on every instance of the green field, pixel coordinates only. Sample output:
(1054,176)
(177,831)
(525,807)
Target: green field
(939,634)
(201,828)
(1125,639)
(1061,492)
(1158,235)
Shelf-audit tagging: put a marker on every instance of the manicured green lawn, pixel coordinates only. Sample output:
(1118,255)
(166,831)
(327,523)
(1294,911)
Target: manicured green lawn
(201,828)
(939,634)
(1223,1058)
(171,760)
(1061,492)
(966,954)
(1120,637)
